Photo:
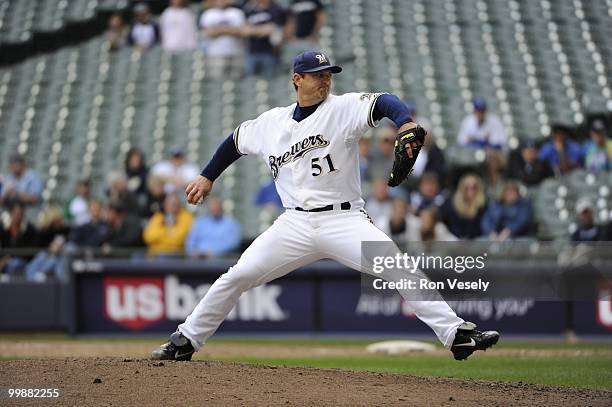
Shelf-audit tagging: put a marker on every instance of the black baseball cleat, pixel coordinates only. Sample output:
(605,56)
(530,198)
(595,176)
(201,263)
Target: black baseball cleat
(468,339)
(178,348)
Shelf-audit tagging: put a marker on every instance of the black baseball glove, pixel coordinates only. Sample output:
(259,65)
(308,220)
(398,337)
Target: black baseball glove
(402,166)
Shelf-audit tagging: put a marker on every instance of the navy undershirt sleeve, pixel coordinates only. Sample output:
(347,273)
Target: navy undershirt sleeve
(225,155)
(392,107)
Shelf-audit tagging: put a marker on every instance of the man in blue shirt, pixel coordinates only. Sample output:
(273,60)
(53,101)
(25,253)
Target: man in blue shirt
(598,150)
(561,153)
(213,235)
(22,185)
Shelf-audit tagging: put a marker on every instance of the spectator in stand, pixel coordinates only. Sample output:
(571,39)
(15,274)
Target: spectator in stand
(585,228)
(94,232)
(22,185)
(398,223)
(51,225)
(16,232)
(269,202)
(484,129)
(77,210)
(462,214)
(144,32)
(116,32)
(166,231)
(267,195)
(381,160)
(525,165)
(222,26)
(175,171)
(213,235)
(118,193)
(428,194)
(124,228)
(378,205)
(431,158)
(304,23)
(561,153)
(364,159)
(52,234)
(264,31)
(598,151)
(429,228)
(405,229)
(136,172)
(178,29)
(510,217)
(155,196)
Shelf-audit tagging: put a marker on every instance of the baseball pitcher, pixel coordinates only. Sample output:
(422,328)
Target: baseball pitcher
(311,148)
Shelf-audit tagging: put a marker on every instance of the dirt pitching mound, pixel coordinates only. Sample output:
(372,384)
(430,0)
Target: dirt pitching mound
(139,382)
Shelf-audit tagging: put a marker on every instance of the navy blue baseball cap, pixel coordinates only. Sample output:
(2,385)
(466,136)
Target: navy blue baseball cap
(529,143)
(313,61)
(479,103)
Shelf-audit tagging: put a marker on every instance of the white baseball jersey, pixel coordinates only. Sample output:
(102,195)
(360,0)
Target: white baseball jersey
(315,162)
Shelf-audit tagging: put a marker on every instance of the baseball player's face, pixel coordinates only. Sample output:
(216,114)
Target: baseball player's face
(316,85)
(481,115)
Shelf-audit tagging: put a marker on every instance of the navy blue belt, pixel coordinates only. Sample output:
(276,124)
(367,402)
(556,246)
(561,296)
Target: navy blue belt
(345,206)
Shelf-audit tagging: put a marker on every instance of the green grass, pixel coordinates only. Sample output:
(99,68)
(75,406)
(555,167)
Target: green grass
(301,342)
(586,372)
(314,341)
(593,371)
(342,342)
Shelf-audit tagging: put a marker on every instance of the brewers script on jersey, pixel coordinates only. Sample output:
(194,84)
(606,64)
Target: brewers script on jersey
(312,152)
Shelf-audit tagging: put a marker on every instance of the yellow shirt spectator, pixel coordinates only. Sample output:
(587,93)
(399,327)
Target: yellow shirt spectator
(167,231)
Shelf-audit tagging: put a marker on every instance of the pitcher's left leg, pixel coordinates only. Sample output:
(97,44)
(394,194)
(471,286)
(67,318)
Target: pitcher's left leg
(342,241)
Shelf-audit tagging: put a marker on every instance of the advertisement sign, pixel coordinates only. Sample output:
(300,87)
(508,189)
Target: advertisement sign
(311,300)
(350,309)
(161,302)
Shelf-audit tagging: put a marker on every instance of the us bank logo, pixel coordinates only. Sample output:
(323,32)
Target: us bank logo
(139,302)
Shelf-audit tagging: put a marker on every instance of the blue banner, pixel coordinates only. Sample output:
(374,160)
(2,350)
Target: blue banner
(313,299)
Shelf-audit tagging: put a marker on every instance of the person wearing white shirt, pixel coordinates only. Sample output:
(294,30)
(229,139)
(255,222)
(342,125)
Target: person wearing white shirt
(175,172)
(144,33)
(178,27)
(222,24)
(483,129)
(78,207)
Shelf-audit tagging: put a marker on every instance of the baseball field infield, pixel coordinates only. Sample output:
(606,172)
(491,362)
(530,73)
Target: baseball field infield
(242,371)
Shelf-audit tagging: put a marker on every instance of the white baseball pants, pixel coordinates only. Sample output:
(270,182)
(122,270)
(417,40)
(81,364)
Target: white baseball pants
(295,240)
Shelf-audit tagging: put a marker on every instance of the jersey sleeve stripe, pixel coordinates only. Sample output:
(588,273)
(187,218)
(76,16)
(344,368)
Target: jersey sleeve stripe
(236,131)
(371,111)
